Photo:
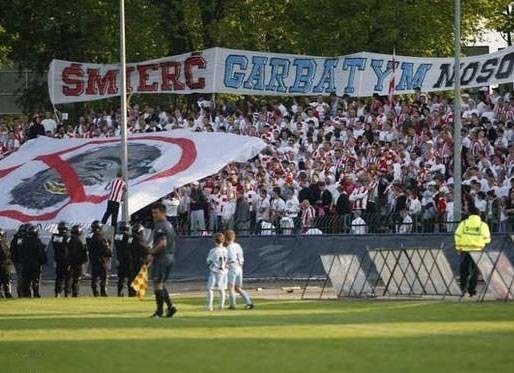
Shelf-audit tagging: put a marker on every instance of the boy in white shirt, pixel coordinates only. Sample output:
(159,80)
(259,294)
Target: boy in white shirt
(235,260)
(217,263)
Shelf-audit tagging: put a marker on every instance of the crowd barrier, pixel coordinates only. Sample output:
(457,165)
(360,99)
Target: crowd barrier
(299,257)
(417,271)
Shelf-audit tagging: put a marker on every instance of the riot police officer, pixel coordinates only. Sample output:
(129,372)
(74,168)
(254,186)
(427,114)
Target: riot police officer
(15,256)
(32,258)
(59,243)
(100,252)
(139,250)
(77,257)
(122,241)
(5,266)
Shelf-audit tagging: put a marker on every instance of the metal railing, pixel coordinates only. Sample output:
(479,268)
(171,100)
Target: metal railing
(328,224)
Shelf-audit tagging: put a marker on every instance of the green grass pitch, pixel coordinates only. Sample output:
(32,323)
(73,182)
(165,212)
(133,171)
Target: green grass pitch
(116,335)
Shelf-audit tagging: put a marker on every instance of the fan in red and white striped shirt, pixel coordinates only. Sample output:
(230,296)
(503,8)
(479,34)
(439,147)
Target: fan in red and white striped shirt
(117,187)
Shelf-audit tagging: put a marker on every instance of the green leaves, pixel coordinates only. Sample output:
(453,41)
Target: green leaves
(33,32)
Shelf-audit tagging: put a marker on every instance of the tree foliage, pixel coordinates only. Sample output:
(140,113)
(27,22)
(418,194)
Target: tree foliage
(33,32)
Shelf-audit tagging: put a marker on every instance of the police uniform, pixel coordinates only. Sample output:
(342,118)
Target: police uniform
(122,245)
(139,251)
(5,267)
(100,253)
(471,235)
(77,257)
(15,256)
(32,258)
(59,243)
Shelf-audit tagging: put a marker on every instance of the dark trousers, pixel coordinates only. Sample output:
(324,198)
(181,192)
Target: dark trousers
(125,275)
(30,281)
(112,211)
(99,274)
(5,281)
(76,275)
(468,273)
(62,279)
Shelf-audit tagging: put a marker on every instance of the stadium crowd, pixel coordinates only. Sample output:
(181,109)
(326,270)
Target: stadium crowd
(332,164)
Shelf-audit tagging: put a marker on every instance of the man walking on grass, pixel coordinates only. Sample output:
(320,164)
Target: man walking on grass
(161,259)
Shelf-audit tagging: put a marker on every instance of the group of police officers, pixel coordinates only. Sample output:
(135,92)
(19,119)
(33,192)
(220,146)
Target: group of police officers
(27,253)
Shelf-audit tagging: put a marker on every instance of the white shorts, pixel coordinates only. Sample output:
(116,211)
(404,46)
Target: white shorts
(217,281)
(235,277)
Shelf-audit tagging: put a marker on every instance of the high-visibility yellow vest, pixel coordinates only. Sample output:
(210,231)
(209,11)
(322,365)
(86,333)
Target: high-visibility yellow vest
(472,234)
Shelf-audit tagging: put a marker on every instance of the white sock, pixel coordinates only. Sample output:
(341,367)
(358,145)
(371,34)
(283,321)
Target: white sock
(222,302)
(245,296)
(210,298)
(232,298)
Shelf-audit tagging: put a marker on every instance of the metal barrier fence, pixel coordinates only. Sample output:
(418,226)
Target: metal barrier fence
(416,271)
(328,224)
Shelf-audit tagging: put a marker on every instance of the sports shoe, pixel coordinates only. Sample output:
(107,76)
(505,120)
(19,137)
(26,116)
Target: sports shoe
(232,308)
(156,315)
(472,293)
(171,311)
(249,307)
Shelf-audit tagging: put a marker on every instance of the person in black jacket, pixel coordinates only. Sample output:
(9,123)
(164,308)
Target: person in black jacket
(100,253)
(5,267)
(77,257)
(343,208)
(59,243)
(32,257)
(36,128)
(122,241)
(15,256)
(139,250)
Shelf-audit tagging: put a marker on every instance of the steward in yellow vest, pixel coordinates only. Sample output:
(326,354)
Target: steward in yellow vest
(472,234)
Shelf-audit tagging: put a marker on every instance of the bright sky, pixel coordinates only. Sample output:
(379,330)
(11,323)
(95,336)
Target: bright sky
(493,40)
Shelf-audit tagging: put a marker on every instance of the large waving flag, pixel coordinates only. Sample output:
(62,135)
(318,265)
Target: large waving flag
(49,180)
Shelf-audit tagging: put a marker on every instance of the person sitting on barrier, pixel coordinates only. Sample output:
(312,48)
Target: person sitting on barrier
(471,235)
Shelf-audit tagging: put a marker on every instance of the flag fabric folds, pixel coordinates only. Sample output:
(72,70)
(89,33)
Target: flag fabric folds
(140,283)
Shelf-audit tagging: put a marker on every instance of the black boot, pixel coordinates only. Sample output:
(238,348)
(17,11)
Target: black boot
(160,303)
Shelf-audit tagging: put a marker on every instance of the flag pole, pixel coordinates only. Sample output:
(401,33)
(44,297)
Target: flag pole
(123,132)
(457,137)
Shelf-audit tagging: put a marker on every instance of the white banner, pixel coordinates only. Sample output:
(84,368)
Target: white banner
(48,180)
(261,73)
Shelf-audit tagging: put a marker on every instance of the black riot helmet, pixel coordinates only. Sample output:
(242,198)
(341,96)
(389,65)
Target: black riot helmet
(62,227)
(96,226)
(123,227)
(138,229)
(32,230)
(22,229)
(76,230)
